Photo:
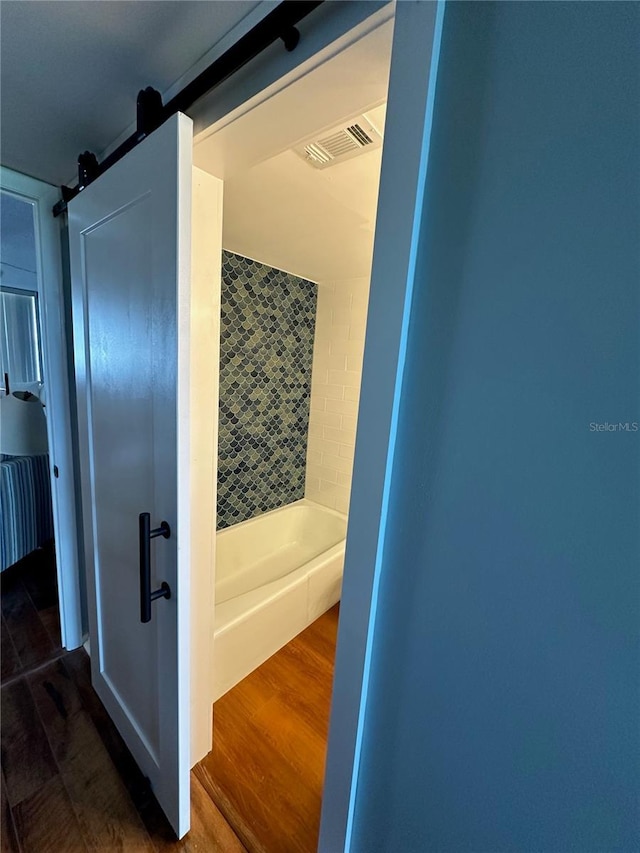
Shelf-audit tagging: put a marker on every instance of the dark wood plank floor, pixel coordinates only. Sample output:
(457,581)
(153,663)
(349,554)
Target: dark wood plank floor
(266,769)
(29,614)
(69,783)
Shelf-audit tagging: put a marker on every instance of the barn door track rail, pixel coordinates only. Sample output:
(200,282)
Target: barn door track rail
(280,24)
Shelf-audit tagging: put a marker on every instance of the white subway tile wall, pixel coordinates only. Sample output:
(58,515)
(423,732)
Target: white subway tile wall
(335,390)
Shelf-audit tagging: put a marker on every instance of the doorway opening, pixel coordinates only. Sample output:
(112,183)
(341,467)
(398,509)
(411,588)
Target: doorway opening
(301,173)
(30,604)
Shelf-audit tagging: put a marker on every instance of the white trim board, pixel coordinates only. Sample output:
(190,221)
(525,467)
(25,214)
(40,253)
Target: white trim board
(414,62)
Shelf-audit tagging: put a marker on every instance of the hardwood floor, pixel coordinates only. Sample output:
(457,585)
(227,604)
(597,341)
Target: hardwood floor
(29,614)
(266,769)
(69,783)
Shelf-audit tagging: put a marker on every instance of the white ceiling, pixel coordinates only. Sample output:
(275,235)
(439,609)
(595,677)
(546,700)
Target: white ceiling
(318,224)
(70,71)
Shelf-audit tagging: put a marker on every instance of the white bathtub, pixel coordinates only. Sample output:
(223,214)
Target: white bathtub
(275,574)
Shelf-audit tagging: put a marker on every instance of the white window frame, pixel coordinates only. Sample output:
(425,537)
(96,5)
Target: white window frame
(24,291)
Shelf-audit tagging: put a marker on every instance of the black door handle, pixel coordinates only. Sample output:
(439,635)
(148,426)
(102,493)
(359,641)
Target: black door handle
(146,534)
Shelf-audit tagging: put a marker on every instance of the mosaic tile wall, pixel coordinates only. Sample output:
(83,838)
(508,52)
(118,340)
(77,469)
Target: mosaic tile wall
(266,354)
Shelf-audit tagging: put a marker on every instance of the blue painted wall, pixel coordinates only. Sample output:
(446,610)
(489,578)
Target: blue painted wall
(504,704)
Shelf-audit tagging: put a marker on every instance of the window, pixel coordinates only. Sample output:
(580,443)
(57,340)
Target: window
(20,344)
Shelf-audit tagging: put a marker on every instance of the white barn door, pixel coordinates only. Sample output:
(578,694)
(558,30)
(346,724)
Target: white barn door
(130,243)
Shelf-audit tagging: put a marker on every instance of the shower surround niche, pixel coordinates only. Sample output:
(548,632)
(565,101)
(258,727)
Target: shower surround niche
(266,356)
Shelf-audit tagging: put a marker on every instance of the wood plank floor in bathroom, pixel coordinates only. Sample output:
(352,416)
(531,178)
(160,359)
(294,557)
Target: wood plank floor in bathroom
(266,770)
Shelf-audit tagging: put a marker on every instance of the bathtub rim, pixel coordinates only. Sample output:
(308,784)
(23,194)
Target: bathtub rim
(302,502)
(233,610)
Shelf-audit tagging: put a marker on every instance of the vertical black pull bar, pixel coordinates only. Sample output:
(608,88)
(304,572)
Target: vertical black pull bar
(146,534)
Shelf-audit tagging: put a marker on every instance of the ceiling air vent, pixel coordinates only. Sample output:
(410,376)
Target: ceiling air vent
(339,143)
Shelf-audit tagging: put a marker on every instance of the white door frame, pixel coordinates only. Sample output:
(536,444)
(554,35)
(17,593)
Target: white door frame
(412,83)
(42,197)
(203,601)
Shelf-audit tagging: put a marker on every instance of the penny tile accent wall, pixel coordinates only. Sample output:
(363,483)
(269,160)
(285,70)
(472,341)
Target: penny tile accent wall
(266,355)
